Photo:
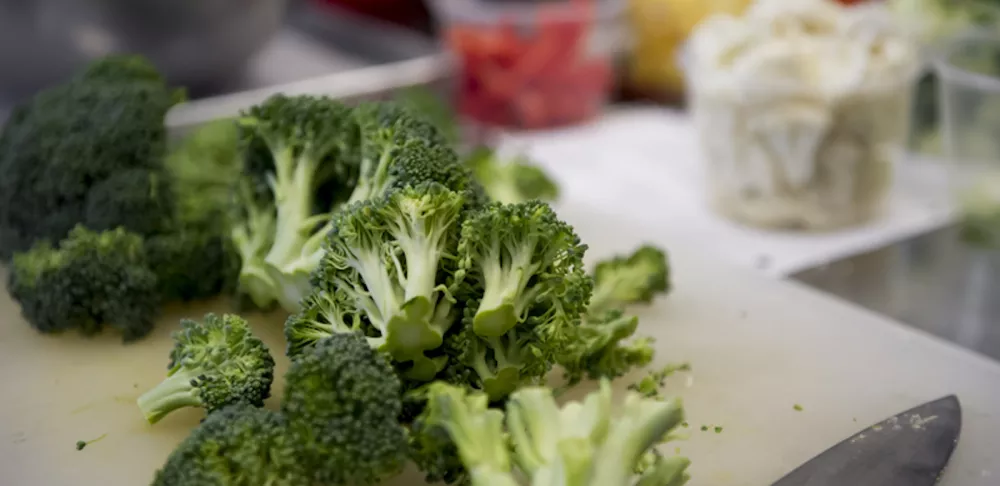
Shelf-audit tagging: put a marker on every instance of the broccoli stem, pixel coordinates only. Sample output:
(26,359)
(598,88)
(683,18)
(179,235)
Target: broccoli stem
(505,294)
(293,192)
(643,423)
(368,186)
(176,391)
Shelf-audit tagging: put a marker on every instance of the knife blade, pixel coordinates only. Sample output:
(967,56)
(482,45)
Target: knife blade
(908,449)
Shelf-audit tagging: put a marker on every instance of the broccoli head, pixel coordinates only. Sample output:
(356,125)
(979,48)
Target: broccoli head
(394,259)
(213,364)
(91,280)
(632,279)
(511,181)
(323,314)
(239,445)
(192,263)
(342,401)
(140,200)
(295,149)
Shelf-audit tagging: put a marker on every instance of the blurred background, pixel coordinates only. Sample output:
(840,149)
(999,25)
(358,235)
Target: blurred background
(852,145)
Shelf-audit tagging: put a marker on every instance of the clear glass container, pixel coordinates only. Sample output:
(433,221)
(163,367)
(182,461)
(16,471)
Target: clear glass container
(530,65)
(803,130)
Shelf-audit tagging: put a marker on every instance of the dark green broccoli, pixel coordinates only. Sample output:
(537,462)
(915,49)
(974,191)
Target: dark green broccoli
(65,141)
(213,364)
(140,200)
(511,181)
(342,402)
(393,257)
(193,262)
(205,167)
(632,279)
(91,280)
(239,445)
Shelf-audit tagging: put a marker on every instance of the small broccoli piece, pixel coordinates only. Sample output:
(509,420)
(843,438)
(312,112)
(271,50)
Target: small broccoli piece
(239,445)
(433,108)
(342,401)
(585,442)
(599,349)
(520,256)
(394,258)
(476,431)
(294,149)
(632,279)
(323,314)
(205,167)
(213,364)
(91,280)
(511,181)
(192,263)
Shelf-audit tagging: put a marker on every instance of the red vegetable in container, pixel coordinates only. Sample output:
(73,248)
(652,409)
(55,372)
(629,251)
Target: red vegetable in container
(530,71)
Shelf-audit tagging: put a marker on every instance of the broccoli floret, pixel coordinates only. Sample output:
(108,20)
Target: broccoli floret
(239,445)
(295,148)
(394,258)
(342,401)
(599,348)
(511,181)
(632,279)
(520,256)
(213,364)
(323,314)
(204,168)
(579,444)
(192,263)
(91,280)
(65,141)
(476,430)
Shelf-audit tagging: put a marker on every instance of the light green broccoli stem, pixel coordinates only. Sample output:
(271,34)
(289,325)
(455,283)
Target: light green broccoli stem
(642,424)
(500,380)
(252,239)
(667,471)
(625,279)
(506,295)
(292,185)
(375,183)
(174,392)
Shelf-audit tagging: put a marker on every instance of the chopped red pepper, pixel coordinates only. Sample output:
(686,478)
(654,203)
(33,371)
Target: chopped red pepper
(536,79)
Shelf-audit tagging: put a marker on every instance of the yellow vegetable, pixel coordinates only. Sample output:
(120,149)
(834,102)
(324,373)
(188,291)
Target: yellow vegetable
(659,28)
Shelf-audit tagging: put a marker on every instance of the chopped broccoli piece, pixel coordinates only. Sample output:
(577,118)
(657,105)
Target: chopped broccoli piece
(239,445)
(91,280)
(598,349)
(579,444)
(140,200)
(192,263)
(342,401)
(511,181)
(632,279)
(476,430)
(213,364)
(517,257)
(323,314)
(394,258)
(205,167)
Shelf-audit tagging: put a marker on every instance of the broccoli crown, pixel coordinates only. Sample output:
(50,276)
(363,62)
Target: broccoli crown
(213,364)
(204,168)
(394,259)
(400,149)
(239,445)
(342,401)
(520,258)
(632,279)
(512,181)
(121,68)
(91,280)
(297,151)
(56,147)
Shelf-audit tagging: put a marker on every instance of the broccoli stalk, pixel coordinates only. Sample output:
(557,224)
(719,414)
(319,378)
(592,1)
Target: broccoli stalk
(213,364)
(518,256)
(394,258)
(476,430)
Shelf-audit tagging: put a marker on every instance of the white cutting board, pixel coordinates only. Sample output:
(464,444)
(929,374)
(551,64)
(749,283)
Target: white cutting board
(757,346)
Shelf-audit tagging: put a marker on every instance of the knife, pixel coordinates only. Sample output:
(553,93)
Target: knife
(908,449)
